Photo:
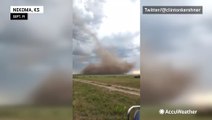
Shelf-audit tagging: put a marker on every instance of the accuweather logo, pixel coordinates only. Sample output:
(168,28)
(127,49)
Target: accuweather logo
(177,112)
(161,111)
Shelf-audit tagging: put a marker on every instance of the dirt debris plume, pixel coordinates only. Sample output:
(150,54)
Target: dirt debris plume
(109,64)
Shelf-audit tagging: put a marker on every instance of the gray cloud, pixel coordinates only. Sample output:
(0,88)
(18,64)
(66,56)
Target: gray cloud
(182,40)
(31,49)
(122,43)
(90,18)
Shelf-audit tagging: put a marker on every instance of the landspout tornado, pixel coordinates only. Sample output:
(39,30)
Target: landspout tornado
(109,62)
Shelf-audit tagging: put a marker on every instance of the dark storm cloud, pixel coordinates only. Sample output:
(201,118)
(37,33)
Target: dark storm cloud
(30,49)
(92,15)
(78,51)
(96,8)
(207,23)
(17,34)
(122,43)
(162,33)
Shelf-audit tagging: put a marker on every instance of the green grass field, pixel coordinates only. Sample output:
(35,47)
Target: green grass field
(124,80)
(94,103)
(35,113)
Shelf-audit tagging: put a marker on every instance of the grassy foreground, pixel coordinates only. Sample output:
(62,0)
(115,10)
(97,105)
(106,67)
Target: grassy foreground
(94,103)
(36,113)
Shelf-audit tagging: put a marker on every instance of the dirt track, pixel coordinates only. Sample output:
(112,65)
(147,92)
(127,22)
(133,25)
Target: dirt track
(122,89)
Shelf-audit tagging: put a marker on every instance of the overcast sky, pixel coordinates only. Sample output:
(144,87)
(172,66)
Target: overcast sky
(184,40)
(29,50)
(117,27)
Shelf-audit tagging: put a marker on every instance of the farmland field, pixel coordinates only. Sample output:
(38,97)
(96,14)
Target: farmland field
(35,113)
(95,103)
(124,80)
